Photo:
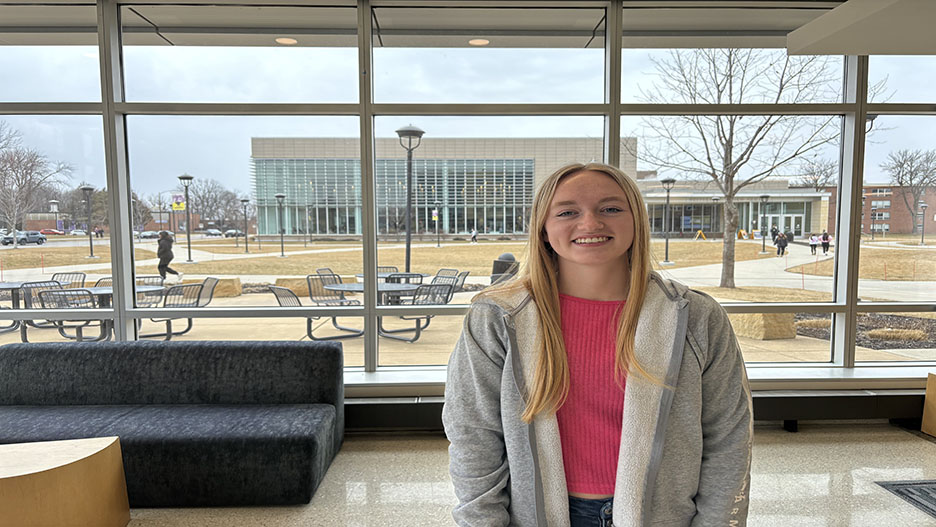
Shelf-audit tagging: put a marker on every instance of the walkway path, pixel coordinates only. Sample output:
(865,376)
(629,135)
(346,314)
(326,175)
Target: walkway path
(771,272)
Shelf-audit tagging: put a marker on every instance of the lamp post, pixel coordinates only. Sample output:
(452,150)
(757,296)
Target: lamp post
(186,180)
(53,208)
(410,134)
(923,222)
(873,212)
(245,201)
(437,213)
(88,190)
(763,233)
(280,198)
(714,212)
(668,185)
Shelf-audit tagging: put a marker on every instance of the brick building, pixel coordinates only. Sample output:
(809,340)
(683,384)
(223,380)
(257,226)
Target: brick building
(891,214)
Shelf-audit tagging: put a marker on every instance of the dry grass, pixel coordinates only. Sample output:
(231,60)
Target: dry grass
(687,253)
(37,257)
(766,294)
(883,264)
(346,259)
(897,334)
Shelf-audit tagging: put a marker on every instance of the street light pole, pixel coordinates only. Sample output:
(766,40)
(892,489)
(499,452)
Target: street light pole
(53,208)
(438,212)
(668,185)
(88,190)
(279,218)
(186,180)
(923,223)
(763,233)
(411,134)
(245,201)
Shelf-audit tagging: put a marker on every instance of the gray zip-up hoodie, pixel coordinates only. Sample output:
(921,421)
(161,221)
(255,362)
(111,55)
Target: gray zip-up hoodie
(685,453)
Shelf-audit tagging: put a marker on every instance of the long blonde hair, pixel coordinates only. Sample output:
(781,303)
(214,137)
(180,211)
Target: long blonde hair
(538,275)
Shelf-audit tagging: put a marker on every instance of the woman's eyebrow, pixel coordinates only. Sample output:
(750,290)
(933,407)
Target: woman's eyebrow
(602,200)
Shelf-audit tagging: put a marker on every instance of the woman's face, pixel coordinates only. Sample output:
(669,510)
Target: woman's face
(589,224)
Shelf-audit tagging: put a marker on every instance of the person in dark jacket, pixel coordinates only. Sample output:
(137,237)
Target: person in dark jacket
(165,255)
(782,243)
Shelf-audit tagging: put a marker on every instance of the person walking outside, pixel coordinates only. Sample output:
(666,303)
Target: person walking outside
(590,389)
(781,243)
(813,243)
(164,253)
(826,239)
(474,235)
(774,231)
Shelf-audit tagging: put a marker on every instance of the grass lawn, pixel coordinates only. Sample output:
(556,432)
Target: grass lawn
(766,294)
(37,257)
(883,264)
(346,259)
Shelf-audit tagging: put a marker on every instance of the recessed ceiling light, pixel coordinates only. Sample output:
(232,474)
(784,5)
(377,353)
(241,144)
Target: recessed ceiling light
(286,41)
(479,42)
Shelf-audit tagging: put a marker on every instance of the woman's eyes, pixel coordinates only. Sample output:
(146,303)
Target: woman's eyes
(609,210)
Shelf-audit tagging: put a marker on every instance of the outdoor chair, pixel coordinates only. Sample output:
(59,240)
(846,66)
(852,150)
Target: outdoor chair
(69,280)
(286,298)
(387,269)
(446,272)
(73,299)
(177,296)
(324,270)
(447,280)
(425,295)
(324,297)
(460,281)
(205,295)
(402,278)
(107,281)
(149,298)
(30,300)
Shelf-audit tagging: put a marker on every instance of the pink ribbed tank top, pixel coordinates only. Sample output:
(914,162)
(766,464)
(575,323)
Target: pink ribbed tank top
(590,419)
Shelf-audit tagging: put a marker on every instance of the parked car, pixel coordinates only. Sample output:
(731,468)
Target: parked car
(78,232)
(212,232)
(24,237)
(148,235)
(51,231)
(233,233)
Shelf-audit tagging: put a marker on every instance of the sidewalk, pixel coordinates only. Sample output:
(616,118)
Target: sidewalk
(770,272)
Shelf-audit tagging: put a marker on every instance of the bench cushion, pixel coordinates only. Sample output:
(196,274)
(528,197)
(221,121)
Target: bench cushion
(197,455)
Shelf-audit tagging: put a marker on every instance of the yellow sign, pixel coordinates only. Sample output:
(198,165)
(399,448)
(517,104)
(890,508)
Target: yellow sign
(178,205)
(742,234)
(699,233)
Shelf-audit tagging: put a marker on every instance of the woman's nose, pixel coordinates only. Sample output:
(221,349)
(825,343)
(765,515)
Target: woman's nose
(591,220)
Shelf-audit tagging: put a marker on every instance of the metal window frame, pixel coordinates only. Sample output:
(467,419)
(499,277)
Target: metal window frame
(114,109)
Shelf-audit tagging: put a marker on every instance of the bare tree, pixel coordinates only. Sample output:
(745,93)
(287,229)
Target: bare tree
(161,202)
(206,199)
(735,151)
(141,211)
(819,174)
(913,171)
(229,210)
(25,177)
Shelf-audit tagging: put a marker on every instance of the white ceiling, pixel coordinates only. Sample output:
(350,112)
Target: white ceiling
(869,27)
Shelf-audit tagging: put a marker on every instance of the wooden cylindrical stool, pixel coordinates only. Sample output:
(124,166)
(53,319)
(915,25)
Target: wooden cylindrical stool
(78,482)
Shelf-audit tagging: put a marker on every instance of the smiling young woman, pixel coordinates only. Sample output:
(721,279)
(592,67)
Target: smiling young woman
(590,388)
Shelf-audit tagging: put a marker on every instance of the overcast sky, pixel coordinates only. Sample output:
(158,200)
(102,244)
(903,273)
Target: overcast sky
(162,147)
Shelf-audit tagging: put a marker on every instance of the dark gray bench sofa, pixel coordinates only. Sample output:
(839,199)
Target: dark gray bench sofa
(200,423)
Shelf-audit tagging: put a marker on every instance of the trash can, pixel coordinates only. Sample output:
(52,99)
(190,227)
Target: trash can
(504,267)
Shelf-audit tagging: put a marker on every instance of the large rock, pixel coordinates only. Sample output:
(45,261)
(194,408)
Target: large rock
(763,326)
(296,285)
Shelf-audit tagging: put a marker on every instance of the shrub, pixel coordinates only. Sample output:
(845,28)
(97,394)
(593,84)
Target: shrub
(897,334)
(818,323)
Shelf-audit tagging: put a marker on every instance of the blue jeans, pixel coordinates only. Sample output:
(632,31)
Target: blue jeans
(590,513)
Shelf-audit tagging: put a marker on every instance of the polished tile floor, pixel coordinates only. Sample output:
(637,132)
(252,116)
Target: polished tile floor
(822,476)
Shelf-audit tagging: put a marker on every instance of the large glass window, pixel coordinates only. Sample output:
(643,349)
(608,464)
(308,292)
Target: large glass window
(49,53)
(488,55)
(240,53)
(472,181)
